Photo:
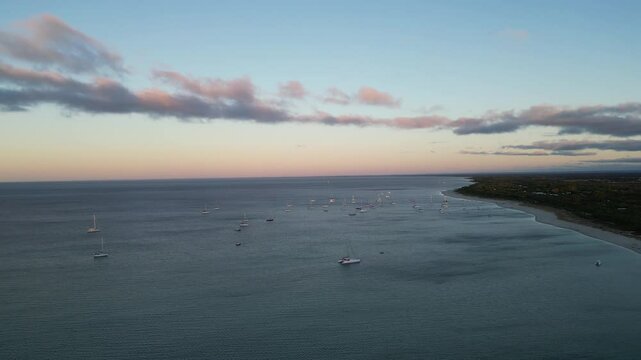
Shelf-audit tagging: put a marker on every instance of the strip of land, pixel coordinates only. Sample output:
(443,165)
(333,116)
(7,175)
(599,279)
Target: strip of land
(528,199)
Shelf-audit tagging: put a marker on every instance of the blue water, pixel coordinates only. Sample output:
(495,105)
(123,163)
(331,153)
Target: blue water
(477,281)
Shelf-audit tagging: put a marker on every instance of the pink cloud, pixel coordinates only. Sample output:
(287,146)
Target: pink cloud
(236,89)
(48,41)
(157,99)
(370,96)
(26,76)
(292,89)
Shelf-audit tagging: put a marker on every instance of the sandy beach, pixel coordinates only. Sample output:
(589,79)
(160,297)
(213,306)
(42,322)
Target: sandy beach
(563,219)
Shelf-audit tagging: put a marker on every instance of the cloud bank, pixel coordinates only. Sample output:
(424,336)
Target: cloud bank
(630,160)
(622,120)
(570,145)
(46,61)
(535,153)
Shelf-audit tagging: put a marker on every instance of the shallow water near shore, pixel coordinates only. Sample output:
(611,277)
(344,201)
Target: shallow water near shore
(473,281)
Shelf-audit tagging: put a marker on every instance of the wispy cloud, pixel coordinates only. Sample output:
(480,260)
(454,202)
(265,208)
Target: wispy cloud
(292,89)
(630,160)
(506,153)
(49,42)
(336,96)
(519,35)
(430,110)
(366,95)
(214,89)
(420,122)
(535,153)
(573,145)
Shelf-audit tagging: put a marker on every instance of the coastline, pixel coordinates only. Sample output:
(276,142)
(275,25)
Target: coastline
(562,219)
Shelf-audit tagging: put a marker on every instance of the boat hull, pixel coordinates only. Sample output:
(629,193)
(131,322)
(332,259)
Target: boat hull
(349,261)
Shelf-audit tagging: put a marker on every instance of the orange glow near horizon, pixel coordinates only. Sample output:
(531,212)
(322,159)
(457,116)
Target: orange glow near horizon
(98,148)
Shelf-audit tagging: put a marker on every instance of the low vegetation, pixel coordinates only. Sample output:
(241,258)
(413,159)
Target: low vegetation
(613,200)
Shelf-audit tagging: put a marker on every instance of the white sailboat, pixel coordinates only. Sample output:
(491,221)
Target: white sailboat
(94,227)
(244,222)
(101,253)
(347,260)
(205,211)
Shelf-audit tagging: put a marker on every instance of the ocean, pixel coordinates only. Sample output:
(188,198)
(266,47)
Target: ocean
(472,281)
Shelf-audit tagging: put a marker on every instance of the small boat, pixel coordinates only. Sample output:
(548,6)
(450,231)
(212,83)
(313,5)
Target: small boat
(597,263)
(352,214)
(238,244)
(205,211)
(269,219)
(94,227)
(244,222)
(101,253)
(348,260)
(237,229)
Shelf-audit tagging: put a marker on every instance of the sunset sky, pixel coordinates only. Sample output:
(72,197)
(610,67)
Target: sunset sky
(199,89)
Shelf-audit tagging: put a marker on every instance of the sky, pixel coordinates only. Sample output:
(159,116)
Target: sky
(199,89)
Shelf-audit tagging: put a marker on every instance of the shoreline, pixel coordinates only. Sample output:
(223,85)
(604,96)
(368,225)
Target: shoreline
(563,219)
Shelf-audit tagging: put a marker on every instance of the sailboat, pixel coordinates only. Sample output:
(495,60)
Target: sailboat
(205,211)
(244,222)
(101,253)
(94,228)
(347,260)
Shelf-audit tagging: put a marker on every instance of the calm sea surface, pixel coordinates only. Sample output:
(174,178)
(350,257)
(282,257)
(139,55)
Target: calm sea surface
(476,281)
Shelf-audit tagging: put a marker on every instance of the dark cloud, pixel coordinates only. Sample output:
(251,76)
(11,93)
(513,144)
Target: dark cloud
(47,41)
(621,120)
(570,145)
(103,95)
(506,153)
(635,160)
(241,90)
(535,153)
(572,153)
